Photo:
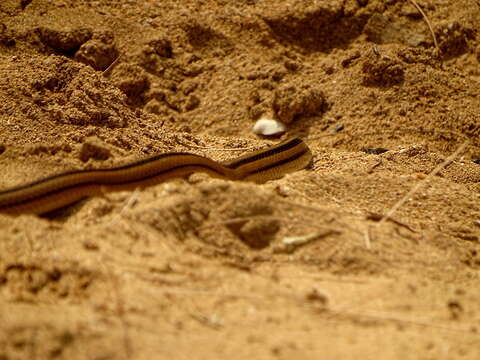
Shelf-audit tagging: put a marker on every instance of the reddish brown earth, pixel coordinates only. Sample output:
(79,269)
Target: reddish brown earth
(197,268)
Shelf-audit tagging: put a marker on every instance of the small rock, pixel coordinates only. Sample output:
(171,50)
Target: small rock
(268,127)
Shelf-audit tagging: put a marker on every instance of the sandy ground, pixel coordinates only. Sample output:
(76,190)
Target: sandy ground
(197,268)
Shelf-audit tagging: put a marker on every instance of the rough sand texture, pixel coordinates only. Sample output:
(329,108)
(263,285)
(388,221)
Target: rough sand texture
(196,268)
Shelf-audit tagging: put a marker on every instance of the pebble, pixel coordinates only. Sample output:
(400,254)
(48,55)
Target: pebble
(268,127)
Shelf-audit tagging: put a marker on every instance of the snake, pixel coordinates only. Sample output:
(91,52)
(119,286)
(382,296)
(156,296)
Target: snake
(61,190)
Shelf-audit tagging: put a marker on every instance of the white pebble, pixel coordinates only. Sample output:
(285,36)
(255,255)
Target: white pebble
(265,126)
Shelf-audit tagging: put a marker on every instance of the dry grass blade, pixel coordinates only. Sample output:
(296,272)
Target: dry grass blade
(109,69)
(414,3)
(417,187)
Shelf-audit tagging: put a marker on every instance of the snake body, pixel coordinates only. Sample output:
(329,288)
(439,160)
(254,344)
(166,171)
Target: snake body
(60,190)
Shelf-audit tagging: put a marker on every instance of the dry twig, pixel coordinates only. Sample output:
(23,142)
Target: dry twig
(417,187)
(110,67)
(414,3)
